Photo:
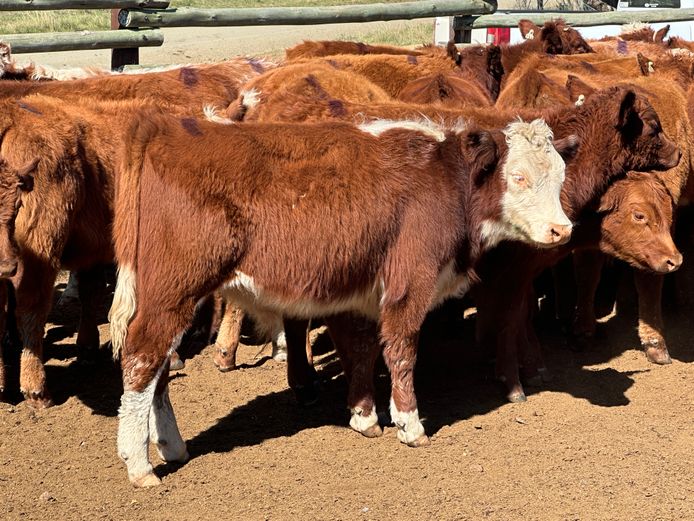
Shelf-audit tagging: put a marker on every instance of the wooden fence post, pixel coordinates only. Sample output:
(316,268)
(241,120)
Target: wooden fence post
(120,57)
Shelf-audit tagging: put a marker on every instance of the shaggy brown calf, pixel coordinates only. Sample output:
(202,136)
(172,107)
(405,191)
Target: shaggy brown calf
(65,221)
(476,84)
(189,86)
(584,121)
(320,48)
(14,184)
(663,86)
(385,219)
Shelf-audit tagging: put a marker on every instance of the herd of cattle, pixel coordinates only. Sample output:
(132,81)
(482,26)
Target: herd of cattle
(360,184)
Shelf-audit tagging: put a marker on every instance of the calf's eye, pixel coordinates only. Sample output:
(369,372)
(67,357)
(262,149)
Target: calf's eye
(518,178)
(639,217)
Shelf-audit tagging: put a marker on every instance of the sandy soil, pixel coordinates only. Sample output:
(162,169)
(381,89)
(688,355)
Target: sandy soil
(610,438)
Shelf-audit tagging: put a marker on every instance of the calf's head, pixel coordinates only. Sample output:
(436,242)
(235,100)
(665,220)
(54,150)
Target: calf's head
(13,183)
(532,176)
(636,221)
(644,145)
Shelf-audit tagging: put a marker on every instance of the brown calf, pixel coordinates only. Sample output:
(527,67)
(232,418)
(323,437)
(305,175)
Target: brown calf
(66,221)
(385,219)
(186,86)
(663,86)
(613,104)
(320,48)
(476,84)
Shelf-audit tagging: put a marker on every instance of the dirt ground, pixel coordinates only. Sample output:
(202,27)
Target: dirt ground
(610,438)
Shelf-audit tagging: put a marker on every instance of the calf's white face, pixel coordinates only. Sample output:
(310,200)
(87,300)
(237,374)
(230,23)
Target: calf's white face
(533,173)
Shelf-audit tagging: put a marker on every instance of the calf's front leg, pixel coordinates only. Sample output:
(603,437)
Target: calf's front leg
(33,291)
(649,287)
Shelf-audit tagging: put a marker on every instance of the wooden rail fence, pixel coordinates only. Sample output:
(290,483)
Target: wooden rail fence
(137,23)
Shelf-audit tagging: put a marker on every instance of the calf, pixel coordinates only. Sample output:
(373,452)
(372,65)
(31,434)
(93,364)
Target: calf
(320,48)
(621,115)
(184,86)
(664,88)
(385,219)
(14,184)
(66,221)
(476,84)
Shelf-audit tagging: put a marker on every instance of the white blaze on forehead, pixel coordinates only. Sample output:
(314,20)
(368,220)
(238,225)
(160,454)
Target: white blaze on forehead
(427,127)
(530,148)
(531,208)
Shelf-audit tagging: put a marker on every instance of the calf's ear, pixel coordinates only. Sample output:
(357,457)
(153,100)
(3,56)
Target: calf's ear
(481,152)
(567,146)
(453,53)
(576,86)
(551,39)
(627,107)
(25,176)
(661,33)
(528,29)
(645,64)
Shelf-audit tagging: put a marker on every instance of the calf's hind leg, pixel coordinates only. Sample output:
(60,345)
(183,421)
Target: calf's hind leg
(356,341)
(145,413)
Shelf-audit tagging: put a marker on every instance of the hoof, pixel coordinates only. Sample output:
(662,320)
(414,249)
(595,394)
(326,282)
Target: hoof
(37,400)
(658,355)
(146,481)
(176,364)
(280,356)
(374,431)
(422,441)
(182,458)
(223,361)
(307,395)
(517,397)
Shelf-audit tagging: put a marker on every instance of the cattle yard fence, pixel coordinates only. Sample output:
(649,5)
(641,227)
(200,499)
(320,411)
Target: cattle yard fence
(138,23)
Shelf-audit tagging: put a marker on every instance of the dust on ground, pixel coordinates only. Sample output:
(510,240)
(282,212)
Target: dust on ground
(610,438)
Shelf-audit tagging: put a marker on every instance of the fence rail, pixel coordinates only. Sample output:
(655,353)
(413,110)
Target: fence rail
(577,19)
(84,41)
(50,5)
(191,17)
(136,23)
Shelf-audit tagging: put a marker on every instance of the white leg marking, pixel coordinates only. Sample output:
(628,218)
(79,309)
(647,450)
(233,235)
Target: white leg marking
(279,346)
(361,423)
(163,430)
(133,433)
(408,424)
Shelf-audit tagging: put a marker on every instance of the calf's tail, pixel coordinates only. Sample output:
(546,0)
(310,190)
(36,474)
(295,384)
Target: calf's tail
(132,164)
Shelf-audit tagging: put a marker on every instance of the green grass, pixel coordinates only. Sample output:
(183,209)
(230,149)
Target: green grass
(96,20)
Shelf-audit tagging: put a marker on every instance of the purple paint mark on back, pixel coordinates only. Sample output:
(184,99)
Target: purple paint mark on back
(29,108)
(191,126)
(188,76)
(336,107)
(256,65)
(622,47)
(412,59)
